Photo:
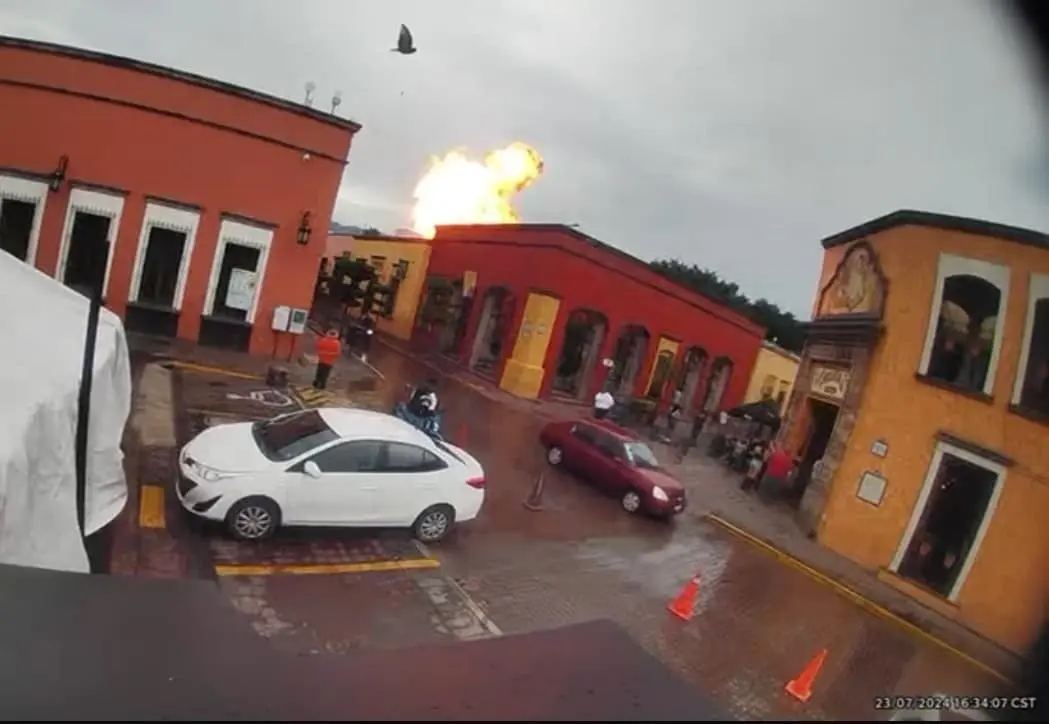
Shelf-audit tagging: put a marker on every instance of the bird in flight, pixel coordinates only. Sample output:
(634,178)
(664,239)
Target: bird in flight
(405,42)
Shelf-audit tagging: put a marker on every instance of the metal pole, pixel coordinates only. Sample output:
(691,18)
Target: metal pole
(87,373)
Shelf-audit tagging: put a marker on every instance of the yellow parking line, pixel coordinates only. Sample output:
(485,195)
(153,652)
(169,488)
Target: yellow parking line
(858,598)
(208,369)
(151,507)
(279,569)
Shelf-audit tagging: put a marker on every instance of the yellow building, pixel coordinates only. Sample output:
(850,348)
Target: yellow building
(772,377)
(923,391)
(400,259)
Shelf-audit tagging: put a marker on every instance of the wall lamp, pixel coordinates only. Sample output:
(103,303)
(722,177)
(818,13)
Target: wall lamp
(303,234)
(59,174)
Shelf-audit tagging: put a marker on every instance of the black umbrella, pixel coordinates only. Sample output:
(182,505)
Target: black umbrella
(764,412)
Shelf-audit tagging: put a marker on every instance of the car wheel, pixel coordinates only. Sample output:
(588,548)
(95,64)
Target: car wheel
(631,501)
(253,519)
(433,523)
(555,456)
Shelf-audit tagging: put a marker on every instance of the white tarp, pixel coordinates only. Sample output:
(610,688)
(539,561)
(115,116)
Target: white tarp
(42,329)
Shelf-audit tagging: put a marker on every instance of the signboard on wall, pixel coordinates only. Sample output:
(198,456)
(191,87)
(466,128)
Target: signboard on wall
(830,382)
(241,290)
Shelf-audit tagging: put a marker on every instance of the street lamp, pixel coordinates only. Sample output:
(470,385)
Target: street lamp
(304,231)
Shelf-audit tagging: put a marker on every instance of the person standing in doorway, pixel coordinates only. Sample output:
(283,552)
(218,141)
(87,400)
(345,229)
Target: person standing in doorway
(775,480)
(328,350)
(603,404)
(675,405)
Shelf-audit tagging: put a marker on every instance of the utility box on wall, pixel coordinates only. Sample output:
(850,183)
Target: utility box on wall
(299,317)
(281,318)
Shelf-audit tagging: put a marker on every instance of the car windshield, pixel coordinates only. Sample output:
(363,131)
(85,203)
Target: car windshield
(641,456)
(289,436)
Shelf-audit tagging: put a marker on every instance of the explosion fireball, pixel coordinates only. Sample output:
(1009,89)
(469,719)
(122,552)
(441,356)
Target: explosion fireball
(457,190)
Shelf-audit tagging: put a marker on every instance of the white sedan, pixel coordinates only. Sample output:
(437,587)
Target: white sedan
(328,467)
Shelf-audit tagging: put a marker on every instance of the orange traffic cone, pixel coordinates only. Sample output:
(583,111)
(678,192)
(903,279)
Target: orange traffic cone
(801,687)
(684,604)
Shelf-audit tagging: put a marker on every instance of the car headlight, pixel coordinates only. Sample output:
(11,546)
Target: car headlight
(210,475)
(659,494)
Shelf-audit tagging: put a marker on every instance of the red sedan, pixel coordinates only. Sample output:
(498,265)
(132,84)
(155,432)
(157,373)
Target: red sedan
(610,457)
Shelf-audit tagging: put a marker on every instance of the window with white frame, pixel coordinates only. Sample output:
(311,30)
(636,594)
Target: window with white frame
(948,524)
(85,256)
(165,248)
(22,204)
(1031,389)
(964,336)
(238,271)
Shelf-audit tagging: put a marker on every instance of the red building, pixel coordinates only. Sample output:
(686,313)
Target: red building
(190,202)
(547,311)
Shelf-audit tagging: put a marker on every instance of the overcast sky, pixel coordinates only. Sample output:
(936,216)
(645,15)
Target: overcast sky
(730,133)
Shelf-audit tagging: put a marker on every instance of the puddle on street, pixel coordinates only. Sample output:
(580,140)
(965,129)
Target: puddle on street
(661,568)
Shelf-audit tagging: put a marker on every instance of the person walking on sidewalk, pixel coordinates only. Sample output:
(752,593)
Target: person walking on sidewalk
(328,350)
(603,403)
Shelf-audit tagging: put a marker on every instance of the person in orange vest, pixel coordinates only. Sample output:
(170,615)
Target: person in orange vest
(329,348)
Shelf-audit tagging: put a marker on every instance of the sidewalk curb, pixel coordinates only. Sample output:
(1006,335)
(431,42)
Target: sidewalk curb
(434,367)
(851,594)
(370,366)
(212,369)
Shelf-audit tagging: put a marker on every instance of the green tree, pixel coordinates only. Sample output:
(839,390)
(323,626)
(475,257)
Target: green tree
(783,327)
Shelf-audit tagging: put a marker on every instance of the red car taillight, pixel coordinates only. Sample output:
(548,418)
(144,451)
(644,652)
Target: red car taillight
(476,483)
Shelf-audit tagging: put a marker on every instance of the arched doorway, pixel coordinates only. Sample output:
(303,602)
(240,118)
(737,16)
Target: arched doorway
(661,372)
(443,312)
(628,357)
(585,332)
(497,314)
(720,372)
(691,372)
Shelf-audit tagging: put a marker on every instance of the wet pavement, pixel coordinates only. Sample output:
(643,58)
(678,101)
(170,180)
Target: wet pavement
(757,622)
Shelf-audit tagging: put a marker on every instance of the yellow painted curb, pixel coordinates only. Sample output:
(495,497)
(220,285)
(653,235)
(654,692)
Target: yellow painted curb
(277,569)
(208,369)
(854,596)
(151,507)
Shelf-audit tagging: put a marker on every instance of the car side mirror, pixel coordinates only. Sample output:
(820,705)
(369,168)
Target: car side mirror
(312,469)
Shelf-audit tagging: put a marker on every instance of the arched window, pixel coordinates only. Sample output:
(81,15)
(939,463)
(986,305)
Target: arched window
(963,340)
(1031,389)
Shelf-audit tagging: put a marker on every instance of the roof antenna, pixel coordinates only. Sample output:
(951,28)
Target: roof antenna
(335,101)
(310,87)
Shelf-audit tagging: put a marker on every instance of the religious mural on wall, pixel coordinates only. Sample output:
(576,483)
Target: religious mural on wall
(857,287)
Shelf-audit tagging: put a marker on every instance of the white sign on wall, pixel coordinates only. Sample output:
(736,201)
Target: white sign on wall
(241,290)
(871,488)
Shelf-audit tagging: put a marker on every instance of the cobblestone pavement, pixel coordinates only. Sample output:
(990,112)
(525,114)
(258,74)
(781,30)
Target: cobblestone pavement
(308,590)
(757,622)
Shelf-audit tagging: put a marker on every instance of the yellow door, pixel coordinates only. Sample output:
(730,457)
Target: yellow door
(524,371)
(666,352)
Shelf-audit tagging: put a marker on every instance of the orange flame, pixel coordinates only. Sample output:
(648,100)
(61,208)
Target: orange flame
(457,190)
